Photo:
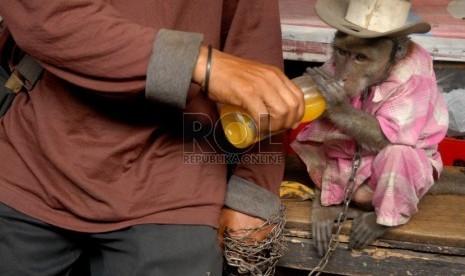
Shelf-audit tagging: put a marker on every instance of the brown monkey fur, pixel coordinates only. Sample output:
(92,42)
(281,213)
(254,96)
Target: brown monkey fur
(360,63)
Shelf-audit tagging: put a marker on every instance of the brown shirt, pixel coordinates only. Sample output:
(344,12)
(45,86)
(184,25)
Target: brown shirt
(85,150)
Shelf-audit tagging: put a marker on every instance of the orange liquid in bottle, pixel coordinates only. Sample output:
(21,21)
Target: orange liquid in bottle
(241,130)
(315,105)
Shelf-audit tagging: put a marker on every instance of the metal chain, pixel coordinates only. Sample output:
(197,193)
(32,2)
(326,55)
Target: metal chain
(244,255)
(348,194)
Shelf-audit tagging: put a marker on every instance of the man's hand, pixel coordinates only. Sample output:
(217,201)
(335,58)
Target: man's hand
(237,222)
(263,90)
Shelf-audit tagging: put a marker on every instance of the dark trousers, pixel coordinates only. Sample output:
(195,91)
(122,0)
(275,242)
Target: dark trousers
(32,247)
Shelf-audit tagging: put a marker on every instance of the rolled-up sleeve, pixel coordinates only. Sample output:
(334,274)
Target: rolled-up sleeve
(247,197)
(171,65)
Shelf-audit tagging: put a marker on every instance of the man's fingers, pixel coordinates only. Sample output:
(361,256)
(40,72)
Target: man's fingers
(259,88)
(258,111)
(289,102)
(297,103)
(284,102)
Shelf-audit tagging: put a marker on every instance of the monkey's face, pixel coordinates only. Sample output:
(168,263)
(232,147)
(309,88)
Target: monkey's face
(361,63)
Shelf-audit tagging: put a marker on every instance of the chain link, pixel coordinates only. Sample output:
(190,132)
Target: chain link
(244,255)
(348,194)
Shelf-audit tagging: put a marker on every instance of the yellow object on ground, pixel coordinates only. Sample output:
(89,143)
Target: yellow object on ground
(293,190)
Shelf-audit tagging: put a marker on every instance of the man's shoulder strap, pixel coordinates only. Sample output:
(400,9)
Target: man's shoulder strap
(25,74)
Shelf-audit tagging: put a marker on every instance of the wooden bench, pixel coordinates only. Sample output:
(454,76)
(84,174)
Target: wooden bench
(431,243)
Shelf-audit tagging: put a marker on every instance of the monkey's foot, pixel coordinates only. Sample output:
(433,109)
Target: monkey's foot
(365,230)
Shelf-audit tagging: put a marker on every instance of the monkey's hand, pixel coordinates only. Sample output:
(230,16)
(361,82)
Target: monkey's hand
(365,230)
(323,218)
(358,124)
(330,89)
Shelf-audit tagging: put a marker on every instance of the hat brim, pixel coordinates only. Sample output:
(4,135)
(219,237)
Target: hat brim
(333,13)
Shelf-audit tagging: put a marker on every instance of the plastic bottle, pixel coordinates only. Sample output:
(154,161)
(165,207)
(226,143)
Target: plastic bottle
(242,131)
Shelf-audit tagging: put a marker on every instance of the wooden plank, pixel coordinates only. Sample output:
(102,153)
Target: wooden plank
(431,243)
(440,221)
(372,261)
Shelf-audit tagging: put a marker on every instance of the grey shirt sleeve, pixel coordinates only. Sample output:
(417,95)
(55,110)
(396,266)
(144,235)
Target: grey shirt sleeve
(171,66)
(249,198)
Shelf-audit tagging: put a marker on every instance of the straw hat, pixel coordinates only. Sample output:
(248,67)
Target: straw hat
(370,18)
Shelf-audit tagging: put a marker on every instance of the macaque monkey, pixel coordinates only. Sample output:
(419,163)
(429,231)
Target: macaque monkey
(398,130)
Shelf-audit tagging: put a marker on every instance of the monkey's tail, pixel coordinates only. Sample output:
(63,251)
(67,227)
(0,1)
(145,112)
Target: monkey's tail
(452,181)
